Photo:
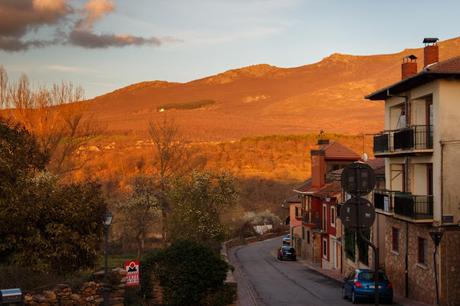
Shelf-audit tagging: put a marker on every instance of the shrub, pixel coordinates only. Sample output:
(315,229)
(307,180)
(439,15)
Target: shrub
(189,273)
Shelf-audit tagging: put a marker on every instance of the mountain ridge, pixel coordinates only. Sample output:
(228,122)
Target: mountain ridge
(263,99)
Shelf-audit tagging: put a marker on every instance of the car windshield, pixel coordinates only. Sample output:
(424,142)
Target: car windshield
(287,248)
(369,276)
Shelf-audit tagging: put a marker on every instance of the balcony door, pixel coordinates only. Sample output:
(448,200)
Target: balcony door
(429,122)
(429,179)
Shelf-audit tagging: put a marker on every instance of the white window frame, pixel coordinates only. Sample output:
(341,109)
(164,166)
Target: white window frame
(333,215)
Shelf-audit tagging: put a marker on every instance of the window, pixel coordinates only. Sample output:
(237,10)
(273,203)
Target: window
(422,249)
(308,237)
(325,248)
(324,217)
(303,232)
(333,216)
(298,212)
(395,239)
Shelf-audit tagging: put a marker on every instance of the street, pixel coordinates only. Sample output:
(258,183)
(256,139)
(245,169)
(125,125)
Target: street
(263,280)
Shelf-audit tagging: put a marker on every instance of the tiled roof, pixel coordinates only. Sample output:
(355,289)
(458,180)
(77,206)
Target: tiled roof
(451,65)
(337,151)
(295,198)
(328,189)
(449,68)
(376,163)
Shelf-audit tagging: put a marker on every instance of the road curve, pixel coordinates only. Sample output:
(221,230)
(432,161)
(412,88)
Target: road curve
(265,281)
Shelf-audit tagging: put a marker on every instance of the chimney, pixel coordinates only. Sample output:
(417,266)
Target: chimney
(431,51)
(408,66)
(318,168)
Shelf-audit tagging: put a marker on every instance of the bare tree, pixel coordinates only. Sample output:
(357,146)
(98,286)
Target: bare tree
(58,117)
(172,158)
(3,88)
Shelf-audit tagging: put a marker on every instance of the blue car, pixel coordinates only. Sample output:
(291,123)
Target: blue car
(359,285)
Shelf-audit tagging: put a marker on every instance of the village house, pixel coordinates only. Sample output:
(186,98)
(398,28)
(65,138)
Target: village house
(421,148)
(315,228)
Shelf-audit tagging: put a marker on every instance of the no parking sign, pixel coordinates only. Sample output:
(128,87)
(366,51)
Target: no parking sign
(132,268)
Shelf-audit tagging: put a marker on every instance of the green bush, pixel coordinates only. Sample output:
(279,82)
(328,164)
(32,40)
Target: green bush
(189,273)
(45,225)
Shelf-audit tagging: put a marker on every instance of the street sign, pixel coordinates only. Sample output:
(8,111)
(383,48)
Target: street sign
(357,213)
(358,179)
(132,269)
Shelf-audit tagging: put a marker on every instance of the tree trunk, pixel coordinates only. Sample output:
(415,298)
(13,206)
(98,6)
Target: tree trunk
(164,224)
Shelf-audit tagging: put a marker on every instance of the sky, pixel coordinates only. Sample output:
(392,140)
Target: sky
(103,45)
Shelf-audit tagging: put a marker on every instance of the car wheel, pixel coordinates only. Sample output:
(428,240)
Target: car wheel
(344,293)
(354,299)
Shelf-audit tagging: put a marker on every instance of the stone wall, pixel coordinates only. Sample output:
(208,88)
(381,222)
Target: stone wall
(450,268)
(90,293)
(421,282)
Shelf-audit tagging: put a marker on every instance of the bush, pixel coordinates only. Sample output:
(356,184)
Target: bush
(189,273)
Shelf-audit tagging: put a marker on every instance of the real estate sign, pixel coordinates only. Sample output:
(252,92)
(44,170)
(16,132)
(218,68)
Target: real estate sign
(132,268)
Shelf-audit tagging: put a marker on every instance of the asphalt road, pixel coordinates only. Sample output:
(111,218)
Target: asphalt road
(263,280)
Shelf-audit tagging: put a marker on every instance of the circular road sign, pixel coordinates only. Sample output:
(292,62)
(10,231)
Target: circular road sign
(357,213)
(358,179)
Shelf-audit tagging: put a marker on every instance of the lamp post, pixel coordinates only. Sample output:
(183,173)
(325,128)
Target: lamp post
(436,235)
(107,222)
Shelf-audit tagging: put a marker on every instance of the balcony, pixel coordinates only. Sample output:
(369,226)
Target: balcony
(383,202)
(414,139)
(413,207)
(311,221)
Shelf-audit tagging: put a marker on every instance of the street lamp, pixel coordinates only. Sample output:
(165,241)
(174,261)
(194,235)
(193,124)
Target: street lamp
(436,235)
(107,221)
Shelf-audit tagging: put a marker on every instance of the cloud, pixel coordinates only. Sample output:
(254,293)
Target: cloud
(95,10)
(88,39)
(69,69)
(18,18)
(12,44)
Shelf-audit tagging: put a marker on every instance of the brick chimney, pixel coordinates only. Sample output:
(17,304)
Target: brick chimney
(430,52)
(318,168)
(408,66)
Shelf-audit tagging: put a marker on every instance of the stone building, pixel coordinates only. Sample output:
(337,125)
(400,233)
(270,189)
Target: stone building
(421,148)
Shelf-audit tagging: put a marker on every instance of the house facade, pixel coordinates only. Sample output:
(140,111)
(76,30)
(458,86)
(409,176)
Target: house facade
(318,237)
(421,149)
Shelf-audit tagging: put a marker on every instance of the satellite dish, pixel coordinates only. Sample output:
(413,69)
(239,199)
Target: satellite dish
(365,157)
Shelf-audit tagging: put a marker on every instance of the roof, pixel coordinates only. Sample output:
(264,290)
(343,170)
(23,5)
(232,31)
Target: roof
(295,198)
(448,69)
(337,151)
(328,189)
(305,186)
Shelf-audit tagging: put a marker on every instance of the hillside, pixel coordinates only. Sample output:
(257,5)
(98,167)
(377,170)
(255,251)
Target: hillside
(265,100)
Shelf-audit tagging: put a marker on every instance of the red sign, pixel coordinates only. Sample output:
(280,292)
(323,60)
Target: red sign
(132,268)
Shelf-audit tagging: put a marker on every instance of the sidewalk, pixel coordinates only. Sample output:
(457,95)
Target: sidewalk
(335,275)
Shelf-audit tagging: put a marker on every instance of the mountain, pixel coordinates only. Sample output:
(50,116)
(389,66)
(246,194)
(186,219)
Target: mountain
(264,99)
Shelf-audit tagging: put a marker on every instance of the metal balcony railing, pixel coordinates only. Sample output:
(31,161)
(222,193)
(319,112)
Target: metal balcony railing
(308,218)
(416,137)
(383,201)
(413,206)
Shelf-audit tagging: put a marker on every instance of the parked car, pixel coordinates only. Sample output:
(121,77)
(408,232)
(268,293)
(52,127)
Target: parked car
(287,239)
(286,252)
(359,285)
